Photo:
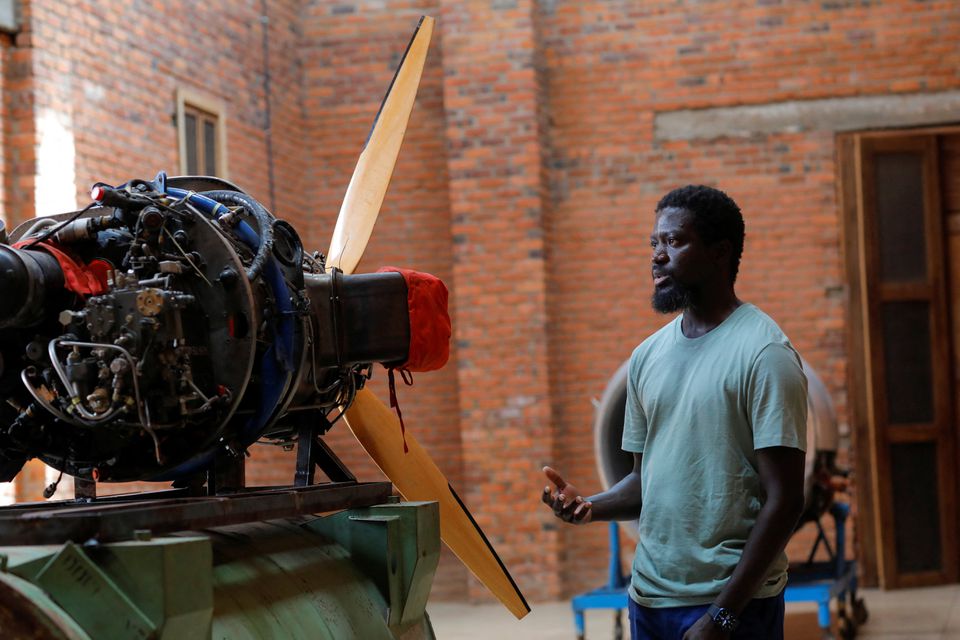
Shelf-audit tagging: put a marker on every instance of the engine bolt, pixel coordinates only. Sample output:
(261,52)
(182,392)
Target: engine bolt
(228,276)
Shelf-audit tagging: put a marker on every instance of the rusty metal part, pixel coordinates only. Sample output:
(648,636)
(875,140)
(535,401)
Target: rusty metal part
(117,518)
(150,302)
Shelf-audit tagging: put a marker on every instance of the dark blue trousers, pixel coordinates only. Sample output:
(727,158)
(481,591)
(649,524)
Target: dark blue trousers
(761,620)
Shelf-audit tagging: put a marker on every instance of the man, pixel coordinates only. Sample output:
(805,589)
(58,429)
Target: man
(716,421)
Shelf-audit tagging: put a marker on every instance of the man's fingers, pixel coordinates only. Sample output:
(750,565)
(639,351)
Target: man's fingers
(566,505)
(552,500)
(547,496)
(558,508)
(581,512)
(559,502)
(555,478)
(567,509)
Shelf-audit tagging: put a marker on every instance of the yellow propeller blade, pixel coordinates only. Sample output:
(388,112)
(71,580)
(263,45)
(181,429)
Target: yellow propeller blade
(377,428)
(371,177)
(417,478)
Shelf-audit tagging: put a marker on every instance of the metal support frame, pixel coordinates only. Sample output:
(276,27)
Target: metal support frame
(313,452)
(227,473)
(120,517)
(189,505)
(214,497)
(84,490)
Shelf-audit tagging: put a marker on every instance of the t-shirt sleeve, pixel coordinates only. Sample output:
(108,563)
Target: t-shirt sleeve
(634,419)
(777,399)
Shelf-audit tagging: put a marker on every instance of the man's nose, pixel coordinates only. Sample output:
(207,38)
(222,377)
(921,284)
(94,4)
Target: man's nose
(659,256)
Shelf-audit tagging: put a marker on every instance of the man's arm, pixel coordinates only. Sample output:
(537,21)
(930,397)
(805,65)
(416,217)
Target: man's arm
(781,478)
(620,502)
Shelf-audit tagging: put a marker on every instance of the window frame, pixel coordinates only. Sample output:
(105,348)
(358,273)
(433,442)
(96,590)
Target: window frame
(189,100)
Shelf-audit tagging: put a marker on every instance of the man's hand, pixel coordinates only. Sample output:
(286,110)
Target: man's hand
(565,500)
(705,629)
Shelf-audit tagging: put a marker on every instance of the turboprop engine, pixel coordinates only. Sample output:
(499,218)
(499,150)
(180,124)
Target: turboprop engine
(172,318)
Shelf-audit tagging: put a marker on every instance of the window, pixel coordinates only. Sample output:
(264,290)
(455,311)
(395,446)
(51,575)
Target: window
(201,131)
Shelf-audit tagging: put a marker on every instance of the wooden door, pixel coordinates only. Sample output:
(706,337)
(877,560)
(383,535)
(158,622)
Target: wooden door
(908,359)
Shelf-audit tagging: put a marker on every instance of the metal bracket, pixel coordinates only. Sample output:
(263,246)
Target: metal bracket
(226,473)
(398,547)
(313,452)
(84,489)
(74,581)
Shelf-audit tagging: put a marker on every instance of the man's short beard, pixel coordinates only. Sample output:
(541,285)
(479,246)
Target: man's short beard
(671,299)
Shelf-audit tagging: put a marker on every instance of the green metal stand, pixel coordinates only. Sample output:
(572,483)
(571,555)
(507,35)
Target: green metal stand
(362,573)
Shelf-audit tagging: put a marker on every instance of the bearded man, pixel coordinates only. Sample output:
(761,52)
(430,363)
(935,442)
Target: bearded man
(716,421)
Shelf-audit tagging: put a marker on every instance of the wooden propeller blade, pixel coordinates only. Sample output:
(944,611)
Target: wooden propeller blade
(361,204)
(417,478)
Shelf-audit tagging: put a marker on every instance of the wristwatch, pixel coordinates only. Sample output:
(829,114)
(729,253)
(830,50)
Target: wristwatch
(723,618)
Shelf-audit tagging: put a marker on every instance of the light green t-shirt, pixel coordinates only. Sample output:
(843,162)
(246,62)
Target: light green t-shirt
(698,409)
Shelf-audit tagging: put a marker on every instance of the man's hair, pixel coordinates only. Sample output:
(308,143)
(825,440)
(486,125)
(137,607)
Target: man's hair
(716,217)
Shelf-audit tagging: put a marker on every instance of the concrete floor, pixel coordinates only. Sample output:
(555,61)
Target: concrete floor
(906,614)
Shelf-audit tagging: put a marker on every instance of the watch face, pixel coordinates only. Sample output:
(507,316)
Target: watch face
(723,618)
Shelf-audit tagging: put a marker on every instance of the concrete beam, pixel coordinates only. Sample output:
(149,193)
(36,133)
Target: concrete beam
(830,114)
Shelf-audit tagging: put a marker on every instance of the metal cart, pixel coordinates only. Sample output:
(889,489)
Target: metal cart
(612,595)
(809,581)
(836,577)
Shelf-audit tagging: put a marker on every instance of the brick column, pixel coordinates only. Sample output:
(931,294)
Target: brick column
(493,100)
(19,128)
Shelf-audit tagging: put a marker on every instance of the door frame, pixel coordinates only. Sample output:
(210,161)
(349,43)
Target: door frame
(870,444)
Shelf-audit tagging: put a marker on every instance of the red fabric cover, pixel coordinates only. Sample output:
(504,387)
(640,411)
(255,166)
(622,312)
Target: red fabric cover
(429,332)
(429,320)
(86,280)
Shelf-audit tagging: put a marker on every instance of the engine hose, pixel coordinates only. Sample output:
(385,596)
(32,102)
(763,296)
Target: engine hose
(276,365)
(264,222)
(209,203)
(211,207)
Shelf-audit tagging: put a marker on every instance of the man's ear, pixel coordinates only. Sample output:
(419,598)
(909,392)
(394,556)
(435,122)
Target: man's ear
(720,252)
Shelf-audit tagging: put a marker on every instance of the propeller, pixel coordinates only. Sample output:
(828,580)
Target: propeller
(417,477)
(375,426)
(361,204)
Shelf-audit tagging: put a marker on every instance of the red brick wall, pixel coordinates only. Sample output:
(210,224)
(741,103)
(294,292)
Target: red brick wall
(527,181)
(612,66)
(114,71)
(18,126)
(350,53)
(493,98)
(111,74)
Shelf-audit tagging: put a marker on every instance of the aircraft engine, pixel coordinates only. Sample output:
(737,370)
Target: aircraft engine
(172,319)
